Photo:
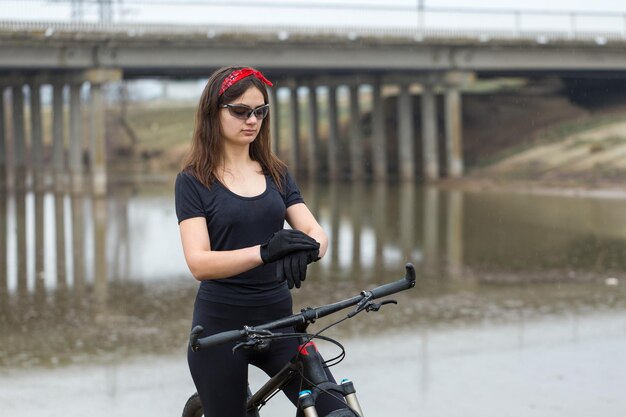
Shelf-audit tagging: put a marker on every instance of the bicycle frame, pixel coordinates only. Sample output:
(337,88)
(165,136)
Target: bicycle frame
(307,362)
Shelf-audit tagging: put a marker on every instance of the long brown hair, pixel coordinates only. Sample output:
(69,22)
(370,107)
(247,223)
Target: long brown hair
(206,153)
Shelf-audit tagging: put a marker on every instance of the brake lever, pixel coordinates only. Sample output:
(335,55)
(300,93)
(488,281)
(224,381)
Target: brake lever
(372,306)
(259,345)
(259,340)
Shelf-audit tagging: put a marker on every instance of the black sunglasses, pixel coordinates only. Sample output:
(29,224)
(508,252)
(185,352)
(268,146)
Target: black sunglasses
(243,112)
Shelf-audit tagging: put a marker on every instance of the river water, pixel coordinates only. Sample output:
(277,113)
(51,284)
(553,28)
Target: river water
(519,308)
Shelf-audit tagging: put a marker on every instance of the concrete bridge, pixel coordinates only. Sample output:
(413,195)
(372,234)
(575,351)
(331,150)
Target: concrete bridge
(81,55)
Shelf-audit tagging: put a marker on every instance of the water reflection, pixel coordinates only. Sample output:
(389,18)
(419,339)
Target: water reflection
(93,277)
(59,234)
(4,285)
(39,247)
(454,237)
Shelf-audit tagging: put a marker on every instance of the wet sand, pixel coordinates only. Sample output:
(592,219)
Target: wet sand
(571,366)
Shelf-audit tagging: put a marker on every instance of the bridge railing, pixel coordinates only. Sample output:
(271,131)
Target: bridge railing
(332,17)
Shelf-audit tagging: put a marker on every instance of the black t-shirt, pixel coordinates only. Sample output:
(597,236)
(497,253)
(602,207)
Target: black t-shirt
(236,222)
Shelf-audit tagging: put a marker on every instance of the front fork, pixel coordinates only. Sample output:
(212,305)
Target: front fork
(314,371)
(349,394)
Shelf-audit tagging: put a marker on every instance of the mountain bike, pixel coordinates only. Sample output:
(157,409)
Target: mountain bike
(306,363)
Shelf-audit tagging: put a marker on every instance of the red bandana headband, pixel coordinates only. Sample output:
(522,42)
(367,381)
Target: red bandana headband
(238,75)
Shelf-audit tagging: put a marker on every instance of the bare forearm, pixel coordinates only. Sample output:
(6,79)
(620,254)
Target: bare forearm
(299,217)
(208,264)
(320,236)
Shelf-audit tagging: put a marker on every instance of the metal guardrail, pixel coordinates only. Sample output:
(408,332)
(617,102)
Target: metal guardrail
(211,18)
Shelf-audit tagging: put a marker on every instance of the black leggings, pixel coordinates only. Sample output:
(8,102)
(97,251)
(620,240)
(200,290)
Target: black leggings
(221,376)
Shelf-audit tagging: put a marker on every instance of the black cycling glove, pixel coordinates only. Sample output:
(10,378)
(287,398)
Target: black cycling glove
(285,242)
(292,268)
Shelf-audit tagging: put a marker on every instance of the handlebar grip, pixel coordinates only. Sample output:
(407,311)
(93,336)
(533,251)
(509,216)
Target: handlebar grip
(218,339)
(400,285)
(193,337)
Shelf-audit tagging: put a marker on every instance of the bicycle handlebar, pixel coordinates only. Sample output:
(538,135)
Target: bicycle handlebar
(308,315)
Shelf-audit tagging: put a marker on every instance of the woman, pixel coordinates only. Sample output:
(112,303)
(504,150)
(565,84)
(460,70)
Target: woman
(232,199)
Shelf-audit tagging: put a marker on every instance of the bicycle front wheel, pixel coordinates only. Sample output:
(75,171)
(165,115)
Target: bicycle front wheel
(193,407)
(344,412)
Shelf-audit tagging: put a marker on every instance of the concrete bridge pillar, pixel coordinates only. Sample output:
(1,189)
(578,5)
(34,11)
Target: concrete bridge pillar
(429,132)
(275,120)
(58,134)
(379,142)
(454,144)
(3,143)
(294,113)
(453,82)
(36,135)
(97,137)
(76,138)
(406,135)
(98,141)
(333,134)
(19,137)
(357,169)
(313,145)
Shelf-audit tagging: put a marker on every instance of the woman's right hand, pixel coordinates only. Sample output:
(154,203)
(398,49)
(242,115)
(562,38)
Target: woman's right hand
(292,268)
(284,242)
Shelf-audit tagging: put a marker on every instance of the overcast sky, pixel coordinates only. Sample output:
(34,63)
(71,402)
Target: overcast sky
(381,13)
(593,5)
